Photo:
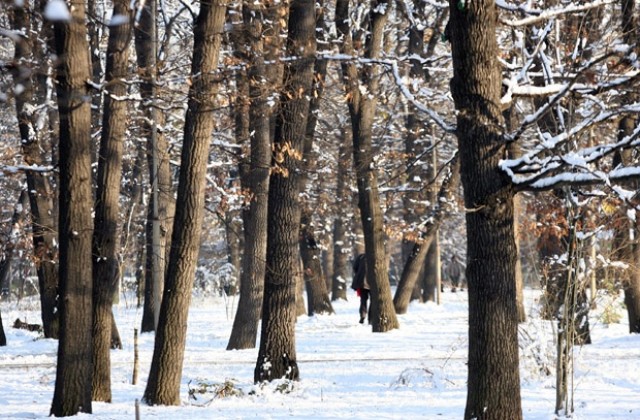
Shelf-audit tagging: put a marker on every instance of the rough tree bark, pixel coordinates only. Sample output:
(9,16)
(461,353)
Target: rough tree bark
(626,126)
(73,375)
(106,238)
(318,301)
(493,390)
(261,43)
(34,139)
(161,202)
(277,352)
(415,260)
(163,386)
(362,109)
(341,249)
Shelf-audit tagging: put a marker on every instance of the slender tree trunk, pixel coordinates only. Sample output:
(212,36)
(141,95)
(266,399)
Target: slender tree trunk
(161,202)
(255,174)
(163,386)
(277,352)
(106,238)
(74,371)
(318,300)
(362,110)
(3,337)
(341,248)
(493,390)
(17,220)
(32,135)
(416,259)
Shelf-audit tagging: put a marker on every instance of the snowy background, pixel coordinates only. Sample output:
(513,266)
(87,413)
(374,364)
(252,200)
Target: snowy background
(416,372)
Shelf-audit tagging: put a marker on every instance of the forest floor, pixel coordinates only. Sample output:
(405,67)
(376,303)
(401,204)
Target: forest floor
(347,372)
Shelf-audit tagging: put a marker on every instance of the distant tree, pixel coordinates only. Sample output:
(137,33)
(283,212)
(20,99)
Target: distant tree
(341,249)
(362,108)
(3,337)
(422,243)
(160,196)
(277,352)
(35,138)
(261,44)
(318,301)
(74,368)
(106,238)
(163,386)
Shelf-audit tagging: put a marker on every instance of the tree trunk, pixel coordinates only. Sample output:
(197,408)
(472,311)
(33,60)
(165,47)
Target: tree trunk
(255,175)
(17,220)
(362,111)
(74,368)
(161,202)
(493,390)
(277,353)
(32,136)
(431,271)
(416,259)
(163,386)
(318,301)
(3,337)
(627,125)
(317,293)
(341,248)
(106,238)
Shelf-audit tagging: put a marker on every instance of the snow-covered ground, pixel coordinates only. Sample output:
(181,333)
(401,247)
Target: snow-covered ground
(347,372)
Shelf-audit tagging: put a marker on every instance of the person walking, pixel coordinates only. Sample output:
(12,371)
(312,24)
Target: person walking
(361,286)
(454,272)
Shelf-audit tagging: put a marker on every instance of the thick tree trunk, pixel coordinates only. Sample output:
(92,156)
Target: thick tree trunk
(255,174)
(163,386)
(106,238)
(493,390)
(277,353)
(32,136)
(74,368)
(362,110)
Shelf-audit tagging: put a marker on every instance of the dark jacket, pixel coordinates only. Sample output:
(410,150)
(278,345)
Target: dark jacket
(455,270)
(360,273)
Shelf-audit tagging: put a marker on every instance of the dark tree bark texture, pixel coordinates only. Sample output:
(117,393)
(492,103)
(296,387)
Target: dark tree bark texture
(106,238)
(277,352)
(74,368)
(255,178)
(163,386)
(493,390)
(362,110)
(40,195)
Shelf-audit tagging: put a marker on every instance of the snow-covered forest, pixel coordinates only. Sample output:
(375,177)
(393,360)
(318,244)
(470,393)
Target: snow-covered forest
(158,152)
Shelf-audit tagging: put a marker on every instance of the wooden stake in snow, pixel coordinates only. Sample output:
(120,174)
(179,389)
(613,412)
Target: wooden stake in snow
(134,380)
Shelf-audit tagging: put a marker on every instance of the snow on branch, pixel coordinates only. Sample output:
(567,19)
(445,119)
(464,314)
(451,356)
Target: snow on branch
(544,168)
(537,16)
(395,71)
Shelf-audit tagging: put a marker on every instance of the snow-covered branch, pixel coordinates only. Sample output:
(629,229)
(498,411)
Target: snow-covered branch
(536,16)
